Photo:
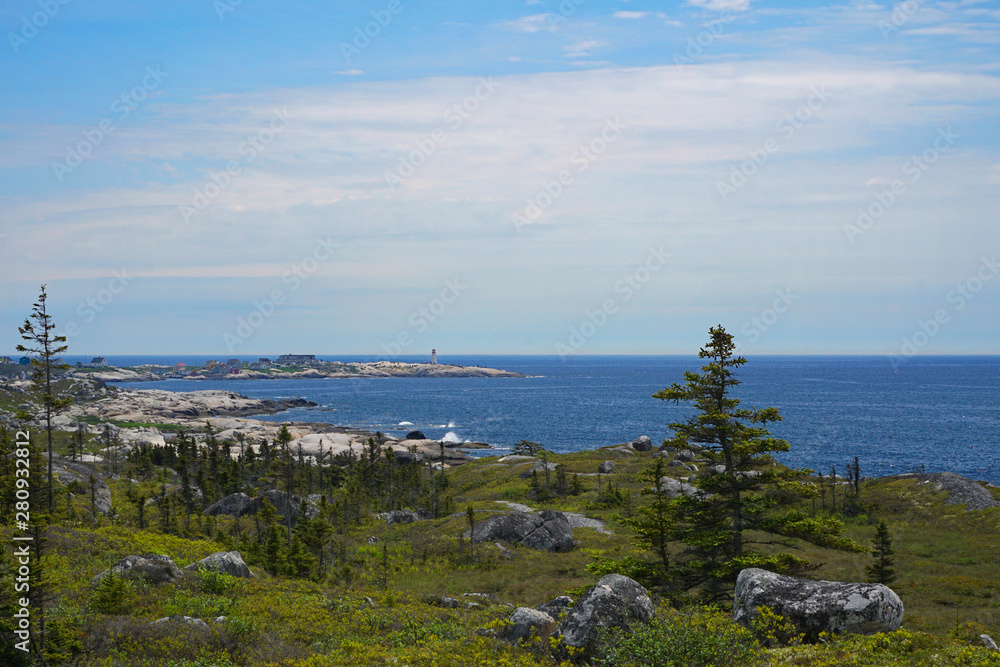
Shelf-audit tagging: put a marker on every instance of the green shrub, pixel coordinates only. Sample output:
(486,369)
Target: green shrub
(114,595)
(217,583)
(673,639)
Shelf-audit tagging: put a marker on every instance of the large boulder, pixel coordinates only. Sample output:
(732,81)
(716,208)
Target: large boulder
(817,606)
(232,505)
(556,606)
(407,516)
(155,569)
(68,472)
(674,488)
(287,506)
(415,435)
(225,562)
(606,467)
(526,623)
(642,444)
(616,601)
(547,530)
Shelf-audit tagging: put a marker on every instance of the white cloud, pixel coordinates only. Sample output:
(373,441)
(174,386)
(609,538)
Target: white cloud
(350,72)
(630,15)
(720,5)
(533,23)
(583,48)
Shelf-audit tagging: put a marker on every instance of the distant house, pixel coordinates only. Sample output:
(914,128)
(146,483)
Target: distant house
(265,360)
(193,374)
(24,361)
(6,360)
(258,366)
(296,358)
(234,371)
(180,365)
(234,363)
(211,363)
(98,361)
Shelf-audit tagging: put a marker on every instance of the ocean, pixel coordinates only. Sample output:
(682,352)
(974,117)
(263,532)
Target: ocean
(939,413)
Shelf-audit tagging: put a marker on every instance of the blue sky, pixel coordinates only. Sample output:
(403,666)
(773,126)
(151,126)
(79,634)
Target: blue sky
(584,177)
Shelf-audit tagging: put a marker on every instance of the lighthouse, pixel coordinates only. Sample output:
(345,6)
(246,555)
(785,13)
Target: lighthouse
(434,357)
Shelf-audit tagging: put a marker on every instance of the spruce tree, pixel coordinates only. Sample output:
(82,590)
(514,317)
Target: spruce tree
(38,331)
(881,571)
(743,499)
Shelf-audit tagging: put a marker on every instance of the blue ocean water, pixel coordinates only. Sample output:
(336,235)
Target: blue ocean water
(939,412)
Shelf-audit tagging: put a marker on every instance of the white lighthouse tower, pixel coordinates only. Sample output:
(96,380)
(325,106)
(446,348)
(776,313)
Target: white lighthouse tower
(434,357)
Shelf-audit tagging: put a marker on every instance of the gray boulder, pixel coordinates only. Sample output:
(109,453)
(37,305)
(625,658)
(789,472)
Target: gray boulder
(288,507)
(415,435)
(407,516)
(538,468)
(225,562)
(606,467)
(642,444)
(817,606)
(68,472)
(556,606)
(155,569)
(675,487)
(685,456)
(408,458)
(547,530)
(232,505)
(526,623)
(616,601)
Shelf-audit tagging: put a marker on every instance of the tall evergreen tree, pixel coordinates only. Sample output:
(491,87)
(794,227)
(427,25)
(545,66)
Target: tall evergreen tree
(881,571)
(743,499)
(38,332)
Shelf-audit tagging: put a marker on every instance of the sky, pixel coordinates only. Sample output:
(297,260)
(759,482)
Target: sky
(384,177)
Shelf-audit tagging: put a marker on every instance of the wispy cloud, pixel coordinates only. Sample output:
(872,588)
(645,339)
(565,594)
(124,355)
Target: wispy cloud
(719,5)
(533,23)
(583,48)
(630,15)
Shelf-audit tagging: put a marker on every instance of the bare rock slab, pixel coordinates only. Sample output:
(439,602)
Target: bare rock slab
(817,606)
(547,530)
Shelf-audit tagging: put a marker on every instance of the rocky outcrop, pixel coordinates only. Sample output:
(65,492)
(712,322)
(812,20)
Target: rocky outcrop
(182,620)
(155,569)
(415,435)
(525,624)
(537,469)
(288,507)
(546,530)
(232,505)
(68,472)
(616,601)
(961,490)
(817,606)
(606,467)
(224,562)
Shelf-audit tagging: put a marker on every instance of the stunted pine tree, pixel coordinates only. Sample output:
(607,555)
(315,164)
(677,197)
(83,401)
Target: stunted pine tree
(744,500)
(45,345)
(881,571)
